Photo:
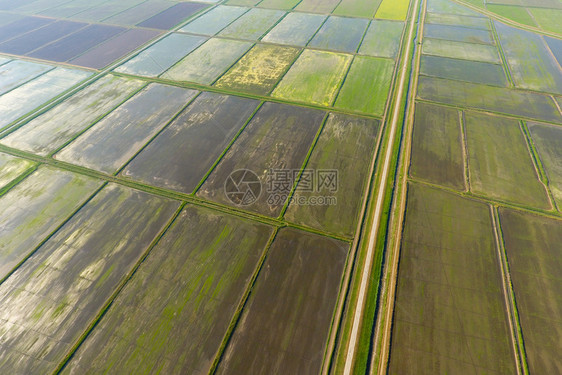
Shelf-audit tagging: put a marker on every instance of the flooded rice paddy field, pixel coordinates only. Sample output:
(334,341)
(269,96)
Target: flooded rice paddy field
(475,293)
(121,249)
(182,184)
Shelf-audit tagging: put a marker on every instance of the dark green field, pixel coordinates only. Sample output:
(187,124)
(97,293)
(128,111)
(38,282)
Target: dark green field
(532,244)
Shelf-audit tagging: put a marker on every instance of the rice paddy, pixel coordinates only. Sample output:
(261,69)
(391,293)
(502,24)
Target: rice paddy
(280,187)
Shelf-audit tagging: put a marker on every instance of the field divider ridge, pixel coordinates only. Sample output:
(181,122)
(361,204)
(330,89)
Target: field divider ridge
(537,164)
(243,301)
(52,233)
(197,86)
(154,190)
(465,153)
(509,297)
(303,166)
(101,312)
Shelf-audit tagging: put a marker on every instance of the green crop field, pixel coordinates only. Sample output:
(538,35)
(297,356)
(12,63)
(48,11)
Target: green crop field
(280,187)
(449,305)
(437,146)
(532,244)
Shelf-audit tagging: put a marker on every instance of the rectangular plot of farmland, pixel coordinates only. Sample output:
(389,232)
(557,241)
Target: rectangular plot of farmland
(548,142)
(32,94)
(531,64)
(382,39)
(458,34)
(22,26)
(173,314)
(366,85)
(253,24)
(35,39)
(181,155)
(345,146)
(139,13)
(449,315)
(11,168)
(456,20)
(357,8)
(330,35)
(32,209)
(159,57)
(278,4)
(437,154)
(317,6)
(393,10)
(285,324)
(532,244)
(497,99)
(57,126)
(215,20)
(277,138)
(172,16)
(460,50)
(114,140)
(51,299)
(77,43)
(295,29)
(17,72)
(106,53)
(208,62)
(314,77)
(499,162)
(259,70)
(463,70)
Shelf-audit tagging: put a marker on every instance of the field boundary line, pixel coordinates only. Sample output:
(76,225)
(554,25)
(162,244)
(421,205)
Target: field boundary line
(226,149)
(161,192)
(386,311)
(490,112)
(16,181)
(118,288)
(381,193)
(484,199)
(303,166)
(96,120)
(556,104)
(242,304)
(503,58)
(506,20)
(464,148)
(355,54)
(160,131)
(65,220)
(26,79)
(204,88)
(537,164)
(509,297)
